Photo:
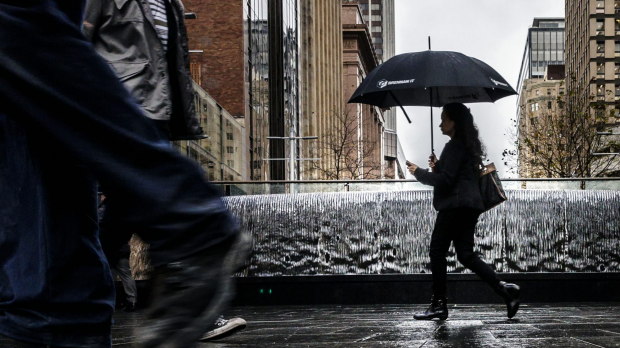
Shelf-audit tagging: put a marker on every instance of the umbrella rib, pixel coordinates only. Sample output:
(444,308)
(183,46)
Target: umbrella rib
(401,107)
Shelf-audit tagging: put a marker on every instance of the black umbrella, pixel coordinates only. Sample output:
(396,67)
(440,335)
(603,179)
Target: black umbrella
(431,78)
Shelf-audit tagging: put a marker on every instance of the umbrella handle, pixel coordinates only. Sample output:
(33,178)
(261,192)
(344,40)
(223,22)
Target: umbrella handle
(431,91)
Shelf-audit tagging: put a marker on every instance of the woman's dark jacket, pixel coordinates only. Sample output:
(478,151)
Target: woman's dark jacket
(455,179)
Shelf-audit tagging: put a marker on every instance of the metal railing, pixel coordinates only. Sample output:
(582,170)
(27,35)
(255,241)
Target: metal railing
(236,188)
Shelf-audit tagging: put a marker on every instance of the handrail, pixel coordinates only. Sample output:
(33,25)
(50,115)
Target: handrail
(395,181)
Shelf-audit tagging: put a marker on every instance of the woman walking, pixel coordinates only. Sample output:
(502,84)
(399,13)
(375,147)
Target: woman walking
(456,197)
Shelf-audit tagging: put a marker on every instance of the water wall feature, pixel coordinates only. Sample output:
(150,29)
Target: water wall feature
(389,232)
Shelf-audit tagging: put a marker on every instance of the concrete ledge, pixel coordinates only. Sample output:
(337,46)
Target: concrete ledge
(416,288)
(412,289)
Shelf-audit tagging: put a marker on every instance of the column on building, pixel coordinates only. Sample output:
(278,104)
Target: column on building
(321,88)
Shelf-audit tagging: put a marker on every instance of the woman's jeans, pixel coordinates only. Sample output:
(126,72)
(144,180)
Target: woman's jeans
(458,226)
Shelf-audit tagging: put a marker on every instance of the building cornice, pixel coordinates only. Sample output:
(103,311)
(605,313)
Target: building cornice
(360,33)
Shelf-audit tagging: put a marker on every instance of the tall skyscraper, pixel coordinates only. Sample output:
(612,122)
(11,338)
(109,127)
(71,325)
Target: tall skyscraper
(593,47)
(379,16)
(544,46)
(541,80)
(593,55)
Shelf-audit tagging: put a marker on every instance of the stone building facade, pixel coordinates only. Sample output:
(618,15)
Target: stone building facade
(593,56)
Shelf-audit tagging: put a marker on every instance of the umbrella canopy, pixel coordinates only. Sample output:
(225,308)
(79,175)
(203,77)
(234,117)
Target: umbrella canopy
(431,78)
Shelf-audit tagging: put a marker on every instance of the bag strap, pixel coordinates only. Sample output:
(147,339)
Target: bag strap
(489,168)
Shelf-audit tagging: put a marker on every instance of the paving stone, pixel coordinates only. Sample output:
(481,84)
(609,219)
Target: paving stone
(571,325)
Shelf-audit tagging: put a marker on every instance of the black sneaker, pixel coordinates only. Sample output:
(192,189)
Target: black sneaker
(224,327)
(189,295)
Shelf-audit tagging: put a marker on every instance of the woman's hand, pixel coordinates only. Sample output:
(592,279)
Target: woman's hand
(432,159)
(412,167)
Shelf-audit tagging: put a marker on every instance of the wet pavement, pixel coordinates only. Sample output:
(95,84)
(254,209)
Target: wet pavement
(537,325)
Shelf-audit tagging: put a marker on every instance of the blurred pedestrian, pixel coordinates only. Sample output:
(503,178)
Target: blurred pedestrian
(145,43)
(456,197)
(66,122)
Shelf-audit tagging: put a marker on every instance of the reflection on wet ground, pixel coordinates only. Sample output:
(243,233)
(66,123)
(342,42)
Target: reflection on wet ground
(538,325)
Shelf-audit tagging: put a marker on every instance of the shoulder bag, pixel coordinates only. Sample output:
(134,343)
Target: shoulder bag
(491,188)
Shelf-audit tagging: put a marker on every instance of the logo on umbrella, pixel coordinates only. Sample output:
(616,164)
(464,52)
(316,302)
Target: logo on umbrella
(466,96)
(498,83)
(385,83)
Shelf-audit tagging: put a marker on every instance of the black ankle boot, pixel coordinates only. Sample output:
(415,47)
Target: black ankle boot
(510,293)
(437,309)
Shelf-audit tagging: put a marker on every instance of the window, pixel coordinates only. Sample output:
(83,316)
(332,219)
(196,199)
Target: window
(230,149)
(537,92)
(600,25)
(364,7)
(536,106)
(376,18)
(532,107)
(231,163)
(600,69)
(617,46)
(617,6)
(617,90)
(375,7)
(379,51)
(229,136)
(600,47)
(377,40)
(548,91)
(600,6)
(617,68)
(549,105)
(617,25)
(376,29)
(600,90)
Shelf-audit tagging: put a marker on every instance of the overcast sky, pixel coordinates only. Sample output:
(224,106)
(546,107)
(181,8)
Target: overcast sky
(493,31)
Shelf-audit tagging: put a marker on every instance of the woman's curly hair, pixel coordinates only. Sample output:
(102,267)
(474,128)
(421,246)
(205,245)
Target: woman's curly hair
(465,129)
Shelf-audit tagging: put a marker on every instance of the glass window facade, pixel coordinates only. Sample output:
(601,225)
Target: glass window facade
(257,80)
(390,147)
(291,76)
(256,13)
(219,155)
(545,46)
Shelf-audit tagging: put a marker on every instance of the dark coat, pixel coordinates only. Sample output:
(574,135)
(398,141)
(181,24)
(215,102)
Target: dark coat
(455,180)
(123,33)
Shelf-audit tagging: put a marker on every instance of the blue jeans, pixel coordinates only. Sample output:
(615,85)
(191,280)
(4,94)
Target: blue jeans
(65,123)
